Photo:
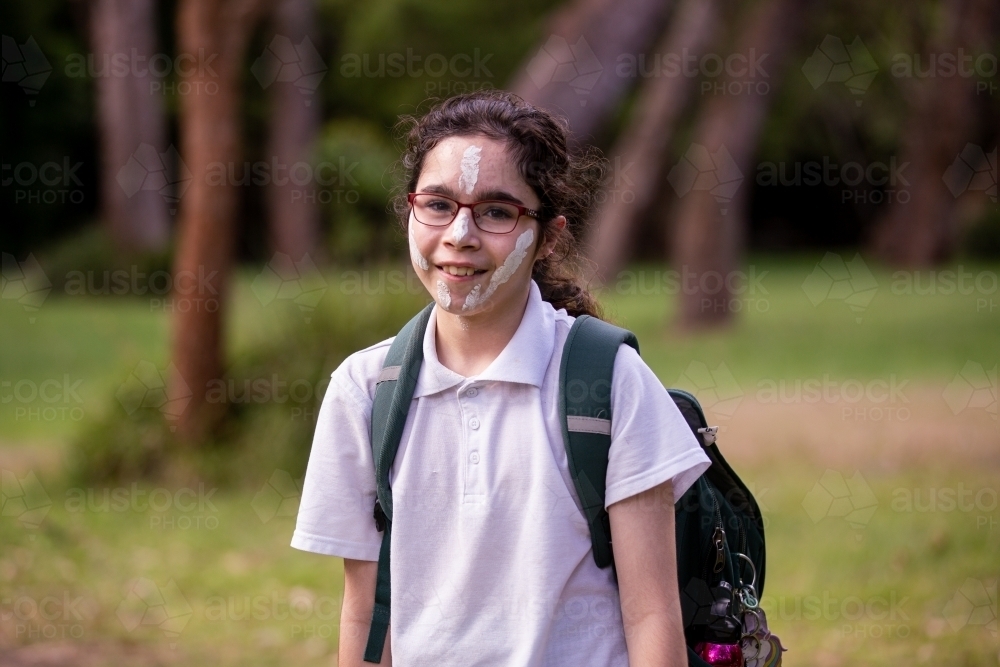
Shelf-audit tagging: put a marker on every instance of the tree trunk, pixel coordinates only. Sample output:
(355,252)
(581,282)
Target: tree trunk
(641,150)
(924,230)
(210,133)
(573,71)
(129,114)
(293,218)
(710,228)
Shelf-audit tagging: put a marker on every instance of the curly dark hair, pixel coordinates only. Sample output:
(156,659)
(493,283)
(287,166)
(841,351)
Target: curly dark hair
(565,179)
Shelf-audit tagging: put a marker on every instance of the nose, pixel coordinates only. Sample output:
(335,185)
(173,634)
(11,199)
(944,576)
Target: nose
(463,229)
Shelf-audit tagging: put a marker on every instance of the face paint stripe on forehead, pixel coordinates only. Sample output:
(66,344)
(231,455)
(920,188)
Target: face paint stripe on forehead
(470,169)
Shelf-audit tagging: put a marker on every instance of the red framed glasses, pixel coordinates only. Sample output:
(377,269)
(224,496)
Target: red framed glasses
(491,216)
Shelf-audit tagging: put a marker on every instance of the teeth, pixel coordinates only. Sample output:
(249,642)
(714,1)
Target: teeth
(459,270)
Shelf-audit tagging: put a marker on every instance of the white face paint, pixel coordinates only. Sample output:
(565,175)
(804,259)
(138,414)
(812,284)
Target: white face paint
(444,295)
(503,274)
(415,255)
(470,168)
(460,227)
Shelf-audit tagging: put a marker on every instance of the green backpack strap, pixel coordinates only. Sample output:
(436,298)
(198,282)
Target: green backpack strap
(588,361)
(393,394)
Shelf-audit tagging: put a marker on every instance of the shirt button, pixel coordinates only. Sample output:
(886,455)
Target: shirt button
(474,457)
(474,423)
(472,392)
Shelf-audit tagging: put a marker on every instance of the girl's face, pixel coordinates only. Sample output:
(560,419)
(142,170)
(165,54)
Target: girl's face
(466,270)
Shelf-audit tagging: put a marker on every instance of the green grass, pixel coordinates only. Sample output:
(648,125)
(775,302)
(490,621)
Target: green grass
(780,333)
(233,550)
(872,594)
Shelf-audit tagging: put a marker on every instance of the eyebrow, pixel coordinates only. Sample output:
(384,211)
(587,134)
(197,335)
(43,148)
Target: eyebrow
(501,195)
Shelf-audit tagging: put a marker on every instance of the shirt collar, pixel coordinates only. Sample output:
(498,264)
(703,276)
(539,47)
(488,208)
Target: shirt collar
(525,358)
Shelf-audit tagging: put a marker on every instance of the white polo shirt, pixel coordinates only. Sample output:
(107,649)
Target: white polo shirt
(491,554)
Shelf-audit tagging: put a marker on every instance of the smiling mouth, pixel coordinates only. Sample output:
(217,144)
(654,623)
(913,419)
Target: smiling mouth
(460,271)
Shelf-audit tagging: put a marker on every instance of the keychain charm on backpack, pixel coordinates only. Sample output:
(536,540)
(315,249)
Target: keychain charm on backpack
(760,647)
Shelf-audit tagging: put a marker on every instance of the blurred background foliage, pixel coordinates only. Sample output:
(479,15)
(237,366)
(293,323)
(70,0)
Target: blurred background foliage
(803,124)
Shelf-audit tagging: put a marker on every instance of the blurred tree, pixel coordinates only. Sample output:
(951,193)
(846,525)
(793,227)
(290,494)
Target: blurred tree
(710,226)
(943,118)
(210,136)
(641,150)
(293,217)
(129,117)
(573,71)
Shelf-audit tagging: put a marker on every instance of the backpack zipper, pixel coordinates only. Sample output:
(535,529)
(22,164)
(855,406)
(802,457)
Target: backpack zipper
(718,538)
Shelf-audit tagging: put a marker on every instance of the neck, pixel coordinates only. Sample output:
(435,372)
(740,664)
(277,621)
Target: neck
(469,344)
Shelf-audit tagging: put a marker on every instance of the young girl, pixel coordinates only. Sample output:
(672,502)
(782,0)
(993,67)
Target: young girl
(491,555)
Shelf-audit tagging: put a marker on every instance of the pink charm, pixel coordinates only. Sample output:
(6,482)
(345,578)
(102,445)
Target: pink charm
(720,655)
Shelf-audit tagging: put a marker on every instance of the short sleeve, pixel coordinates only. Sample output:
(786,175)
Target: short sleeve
(650,440)
(335,513)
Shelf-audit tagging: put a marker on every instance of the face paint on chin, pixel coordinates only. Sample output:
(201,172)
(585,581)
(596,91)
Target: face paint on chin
(443,295)
(502,274)
(470,168)
(415,255)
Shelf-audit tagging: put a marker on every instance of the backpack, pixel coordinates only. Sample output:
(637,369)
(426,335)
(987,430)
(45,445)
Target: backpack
(719,529)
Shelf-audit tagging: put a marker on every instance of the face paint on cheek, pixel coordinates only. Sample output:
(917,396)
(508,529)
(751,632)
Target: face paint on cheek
(415,255)
(472,300)
(503,274)
(443,294)
(470,168)
(460,228)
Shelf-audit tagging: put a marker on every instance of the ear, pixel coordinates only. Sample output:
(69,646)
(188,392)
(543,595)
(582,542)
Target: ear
(548,244)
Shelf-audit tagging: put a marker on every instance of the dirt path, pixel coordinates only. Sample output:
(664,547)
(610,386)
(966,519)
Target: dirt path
(921,432)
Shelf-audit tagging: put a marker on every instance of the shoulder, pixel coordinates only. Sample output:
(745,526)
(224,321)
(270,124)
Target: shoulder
(564,322)
(358,373)
(633,380)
